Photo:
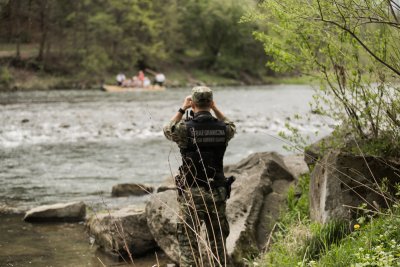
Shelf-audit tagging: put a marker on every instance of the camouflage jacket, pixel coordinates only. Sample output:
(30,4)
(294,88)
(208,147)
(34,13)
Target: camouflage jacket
(177,132)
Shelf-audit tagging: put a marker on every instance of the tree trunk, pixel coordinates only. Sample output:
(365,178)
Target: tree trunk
(29,29)
(17,15)
(43,28)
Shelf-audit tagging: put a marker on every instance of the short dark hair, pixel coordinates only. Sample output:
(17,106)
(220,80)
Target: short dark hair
(204,103)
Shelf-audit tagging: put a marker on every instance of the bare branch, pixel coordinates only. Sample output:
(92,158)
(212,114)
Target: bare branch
(397,71)
(392,116)
(392,24)
(395,5)
(392,11)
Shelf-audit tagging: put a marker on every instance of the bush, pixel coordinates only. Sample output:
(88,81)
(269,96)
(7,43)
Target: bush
(6,77)
(354,60)
(96,62)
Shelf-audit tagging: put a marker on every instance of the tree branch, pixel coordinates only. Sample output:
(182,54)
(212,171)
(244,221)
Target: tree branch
(392,116)
(392,11)
(397,71)
(392,24)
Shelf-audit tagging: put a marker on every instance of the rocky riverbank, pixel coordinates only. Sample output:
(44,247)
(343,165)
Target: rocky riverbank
(135,232)
(57,244)
(258,198)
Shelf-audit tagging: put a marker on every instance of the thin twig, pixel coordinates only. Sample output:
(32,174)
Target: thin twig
(269,238)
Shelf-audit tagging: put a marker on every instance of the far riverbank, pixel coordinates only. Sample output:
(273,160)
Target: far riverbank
(21,79)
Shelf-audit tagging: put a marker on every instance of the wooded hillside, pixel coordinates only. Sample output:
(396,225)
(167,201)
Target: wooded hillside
(94,37)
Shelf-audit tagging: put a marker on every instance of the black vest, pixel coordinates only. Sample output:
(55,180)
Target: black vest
(203,158)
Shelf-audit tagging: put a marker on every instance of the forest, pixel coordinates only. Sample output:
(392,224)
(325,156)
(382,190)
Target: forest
(92,39)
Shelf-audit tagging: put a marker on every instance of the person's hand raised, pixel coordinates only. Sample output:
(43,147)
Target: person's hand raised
(213,106)
(187,103)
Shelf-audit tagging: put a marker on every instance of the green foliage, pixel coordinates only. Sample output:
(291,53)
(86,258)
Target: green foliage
(291,230)
(324,236)
(96,62)
(5,76)
(296,141)
(304,243)
(128,35)
(297,199)
(213,29)
(385,145)
(374,244)
(298,242)
(351,47)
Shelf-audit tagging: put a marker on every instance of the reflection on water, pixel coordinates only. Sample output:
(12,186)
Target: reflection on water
(61,244)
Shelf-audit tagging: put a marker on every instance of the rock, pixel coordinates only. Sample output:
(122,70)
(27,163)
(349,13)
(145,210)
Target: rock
(296,164)
(4,209)
(314,152)
(258,195)
(168,184)
(123,190)
(66,212)
(65,126)
(342,180)
(24,121)
(162,215)
(112,230)
(163,188)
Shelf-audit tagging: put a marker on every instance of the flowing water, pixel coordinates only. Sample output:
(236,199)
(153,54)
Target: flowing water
(61,146)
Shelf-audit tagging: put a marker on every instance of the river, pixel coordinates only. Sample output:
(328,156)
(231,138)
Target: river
(61,146)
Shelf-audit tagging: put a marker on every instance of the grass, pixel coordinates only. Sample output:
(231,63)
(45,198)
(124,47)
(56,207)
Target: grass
(212,79)
(177,76)
(26,50)
(376,243)
(42,82)
(22,79)
(288,80)
(293,229)
(300,242)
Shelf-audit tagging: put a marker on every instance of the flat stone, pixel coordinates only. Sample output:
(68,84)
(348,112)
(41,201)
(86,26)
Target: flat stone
(122,232)
(165,188)
(65,212)
(296,164)
(123,190)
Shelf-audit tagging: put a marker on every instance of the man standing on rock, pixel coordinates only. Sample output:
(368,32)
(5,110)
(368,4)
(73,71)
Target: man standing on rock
(202,186)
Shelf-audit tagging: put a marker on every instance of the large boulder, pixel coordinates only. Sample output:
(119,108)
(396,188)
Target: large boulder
(62,212)
(341,137)
(315,151)
(123,190)
(341,182)
(162,215)
(122,232)
(296,164)
(257,197)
